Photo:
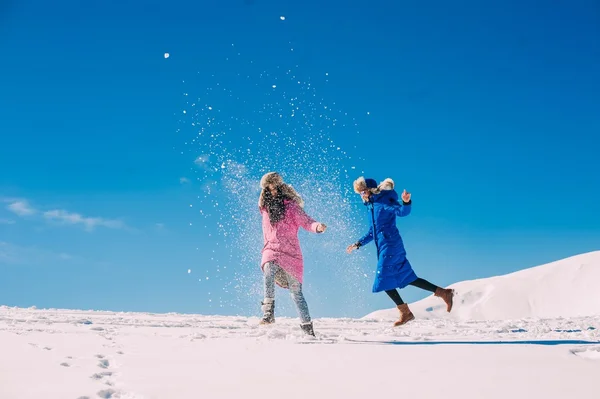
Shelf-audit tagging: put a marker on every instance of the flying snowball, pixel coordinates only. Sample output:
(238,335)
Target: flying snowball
(167,55)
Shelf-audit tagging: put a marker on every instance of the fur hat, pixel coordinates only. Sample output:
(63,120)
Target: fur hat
(362,184)
(275,179)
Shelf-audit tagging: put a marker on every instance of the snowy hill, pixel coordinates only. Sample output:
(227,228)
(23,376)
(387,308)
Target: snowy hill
(565,288)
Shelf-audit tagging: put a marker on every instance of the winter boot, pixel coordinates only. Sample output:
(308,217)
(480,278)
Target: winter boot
(405,315)
(268,308)
(447,294)
(308,328)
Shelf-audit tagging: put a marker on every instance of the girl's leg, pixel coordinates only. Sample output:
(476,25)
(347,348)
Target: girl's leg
(300,301)
(424,285)
(269,280)
(268,304)
(447,295)
(405,313)
(395,297)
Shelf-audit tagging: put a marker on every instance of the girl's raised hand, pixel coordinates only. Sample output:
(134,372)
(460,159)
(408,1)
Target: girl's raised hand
(405,196)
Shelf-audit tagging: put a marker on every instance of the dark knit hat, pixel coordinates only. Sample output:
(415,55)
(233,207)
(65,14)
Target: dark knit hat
(371,183)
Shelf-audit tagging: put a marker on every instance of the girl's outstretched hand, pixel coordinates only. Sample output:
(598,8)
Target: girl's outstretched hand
(351,248)
(321,228)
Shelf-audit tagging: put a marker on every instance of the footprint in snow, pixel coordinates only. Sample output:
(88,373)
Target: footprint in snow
(65,364)
(106,393)
(99,376)
(46,348)
(103,363)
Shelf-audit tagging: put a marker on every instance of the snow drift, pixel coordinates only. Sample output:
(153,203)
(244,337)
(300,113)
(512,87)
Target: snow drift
(564,288)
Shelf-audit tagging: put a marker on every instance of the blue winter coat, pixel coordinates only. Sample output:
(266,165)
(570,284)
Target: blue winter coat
(393,269)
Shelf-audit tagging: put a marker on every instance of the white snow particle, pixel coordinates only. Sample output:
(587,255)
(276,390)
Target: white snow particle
(166,55)
(282,18)
(189,271)
(274,86)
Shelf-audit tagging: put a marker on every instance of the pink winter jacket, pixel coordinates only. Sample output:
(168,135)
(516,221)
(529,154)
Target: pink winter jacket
(281,244)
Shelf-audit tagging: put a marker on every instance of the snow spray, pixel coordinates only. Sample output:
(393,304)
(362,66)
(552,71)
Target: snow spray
(244,122)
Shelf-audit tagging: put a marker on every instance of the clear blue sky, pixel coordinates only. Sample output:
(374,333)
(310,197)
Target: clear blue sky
(488,112)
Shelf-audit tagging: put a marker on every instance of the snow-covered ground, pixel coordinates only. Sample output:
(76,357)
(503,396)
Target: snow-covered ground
(91,354)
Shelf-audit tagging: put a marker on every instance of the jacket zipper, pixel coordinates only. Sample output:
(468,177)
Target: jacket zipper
(372,206)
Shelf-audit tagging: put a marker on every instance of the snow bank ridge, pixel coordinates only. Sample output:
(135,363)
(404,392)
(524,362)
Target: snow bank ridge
(564,288)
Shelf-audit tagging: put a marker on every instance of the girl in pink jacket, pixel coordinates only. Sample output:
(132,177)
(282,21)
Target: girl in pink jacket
(282,216)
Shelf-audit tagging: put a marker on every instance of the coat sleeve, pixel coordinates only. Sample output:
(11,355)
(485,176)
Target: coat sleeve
(305,221)
(399,209)
(367,238)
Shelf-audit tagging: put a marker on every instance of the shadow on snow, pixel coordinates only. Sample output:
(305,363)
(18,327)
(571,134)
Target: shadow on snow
(524,342)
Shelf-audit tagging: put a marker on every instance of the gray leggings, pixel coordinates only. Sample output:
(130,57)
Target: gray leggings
(270,269)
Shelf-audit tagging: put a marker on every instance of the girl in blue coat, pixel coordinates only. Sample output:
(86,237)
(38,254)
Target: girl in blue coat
(393,269)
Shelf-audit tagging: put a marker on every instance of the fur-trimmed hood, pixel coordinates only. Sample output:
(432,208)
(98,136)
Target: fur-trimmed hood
(274,178)
(360,184)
